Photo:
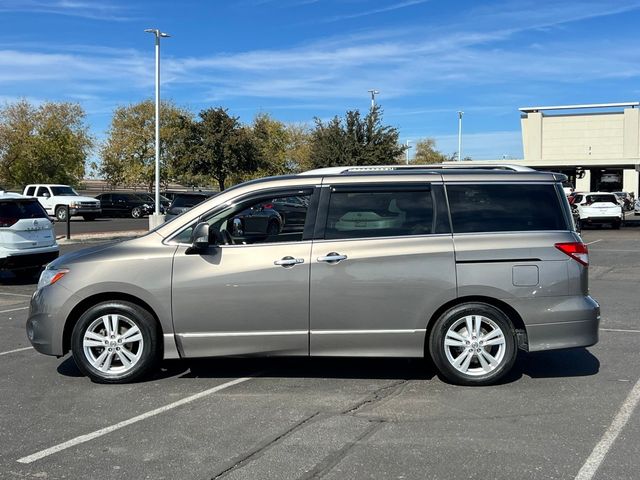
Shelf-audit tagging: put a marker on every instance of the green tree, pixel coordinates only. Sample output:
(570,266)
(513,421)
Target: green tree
(222,148)
(48,143)
(298,157)
(128,154)
(355,141)
(426,153)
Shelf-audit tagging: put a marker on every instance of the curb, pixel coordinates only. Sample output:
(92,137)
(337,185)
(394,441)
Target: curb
(98,236)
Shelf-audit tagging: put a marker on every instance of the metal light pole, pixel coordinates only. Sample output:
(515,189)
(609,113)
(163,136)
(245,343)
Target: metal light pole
(373,93)
(408,147)
(156,219)
(460,113)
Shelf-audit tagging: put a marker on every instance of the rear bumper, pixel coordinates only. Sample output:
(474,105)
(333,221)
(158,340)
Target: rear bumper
(30,259)
(560,322)
(601,219)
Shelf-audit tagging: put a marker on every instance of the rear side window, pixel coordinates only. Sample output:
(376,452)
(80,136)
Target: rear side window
(11,212)
(379,214)
(31,191)
(505,208)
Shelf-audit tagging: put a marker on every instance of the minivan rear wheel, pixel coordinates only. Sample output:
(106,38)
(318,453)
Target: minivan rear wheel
(115,342)
(473,344)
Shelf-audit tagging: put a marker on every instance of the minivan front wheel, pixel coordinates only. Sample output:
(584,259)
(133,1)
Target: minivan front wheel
(115,342)
(473,344)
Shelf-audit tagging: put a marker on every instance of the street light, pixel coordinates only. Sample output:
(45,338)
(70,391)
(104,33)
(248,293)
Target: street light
(460,113)
(156,219)
(373,93)
(408,147)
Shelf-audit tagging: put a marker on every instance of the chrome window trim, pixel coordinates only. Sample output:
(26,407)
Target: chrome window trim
(394,237)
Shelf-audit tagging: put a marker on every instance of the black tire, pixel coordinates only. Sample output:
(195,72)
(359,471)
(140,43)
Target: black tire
(273,228)
(128,313)
(61,213)
(506,353)
(89,218)
(136,212)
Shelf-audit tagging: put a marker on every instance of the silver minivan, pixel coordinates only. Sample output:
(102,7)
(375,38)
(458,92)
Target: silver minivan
(466,266)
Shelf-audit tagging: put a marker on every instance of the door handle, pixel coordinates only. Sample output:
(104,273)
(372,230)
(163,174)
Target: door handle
(288,261)
(332,258)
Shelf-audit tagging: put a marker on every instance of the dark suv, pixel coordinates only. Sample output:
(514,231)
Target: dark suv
(116,204)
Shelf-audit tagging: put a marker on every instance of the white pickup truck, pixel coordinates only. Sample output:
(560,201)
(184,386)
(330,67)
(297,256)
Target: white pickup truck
(56,198)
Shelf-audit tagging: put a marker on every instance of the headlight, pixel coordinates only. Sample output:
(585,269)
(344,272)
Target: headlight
(145,206)
(74,204)
(51,276)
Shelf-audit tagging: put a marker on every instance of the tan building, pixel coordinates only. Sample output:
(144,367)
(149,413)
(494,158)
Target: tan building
(597,146)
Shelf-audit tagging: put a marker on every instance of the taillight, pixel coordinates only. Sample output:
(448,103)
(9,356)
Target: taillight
(268,205)
(576,250)
(7,221)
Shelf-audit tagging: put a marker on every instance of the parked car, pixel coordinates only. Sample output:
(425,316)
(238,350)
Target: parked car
(625,199)
(27,240)
(56,198)
(150,199)
(636,207)
(277,215)
(184,201)
(124,204)
(464,265)
(597,208)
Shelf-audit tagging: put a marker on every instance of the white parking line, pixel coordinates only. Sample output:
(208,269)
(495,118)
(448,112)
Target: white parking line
(592,464)
(16,294)
(595,241)
(13,310)
(16,350)
(619,330)
(103,431)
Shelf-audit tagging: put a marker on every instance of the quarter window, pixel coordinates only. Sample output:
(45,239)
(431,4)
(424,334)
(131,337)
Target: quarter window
(379,214)
(505,208)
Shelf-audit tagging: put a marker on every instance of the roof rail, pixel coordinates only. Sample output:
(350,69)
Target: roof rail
(390,168)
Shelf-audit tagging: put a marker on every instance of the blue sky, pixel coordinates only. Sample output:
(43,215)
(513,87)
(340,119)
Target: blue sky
(299,59)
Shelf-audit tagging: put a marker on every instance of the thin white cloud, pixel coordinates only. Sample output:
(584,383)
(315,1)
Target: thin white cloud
(96,10)
(375,11)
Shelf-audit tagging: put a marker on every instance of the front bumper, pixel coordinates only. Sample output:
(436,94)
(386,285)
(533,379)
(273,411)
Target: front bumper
(85,211)
(48,310)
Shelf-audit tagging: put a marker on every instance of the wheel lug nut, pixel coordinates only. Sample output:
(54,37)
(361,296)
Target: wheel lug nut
(111,349)
(478,350)
(118,349)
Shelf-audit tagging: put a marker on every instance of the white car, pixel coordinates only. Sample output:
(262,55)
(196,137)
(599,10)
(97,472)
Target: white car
(598,208)
(56,199)
(27,239)
(636,207)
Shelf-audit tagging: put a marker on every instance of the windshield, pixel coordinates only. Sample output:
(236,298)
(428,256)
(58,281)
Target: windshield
(64,191)
(187,201)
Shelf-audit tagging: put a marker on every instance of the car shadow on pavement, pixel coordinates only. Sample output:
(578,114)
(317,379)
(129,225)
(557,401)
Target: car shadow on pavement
(168,368)
(575,362)
(8,278)
(305,367)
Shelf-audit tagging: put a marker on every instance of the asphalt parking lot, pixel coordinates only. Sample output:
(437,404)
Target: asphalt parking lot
(561,415)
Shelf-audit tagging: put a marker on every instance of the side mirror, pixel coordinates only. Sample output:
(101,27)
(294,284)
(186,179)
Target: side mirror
(200,238)
(46,195)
